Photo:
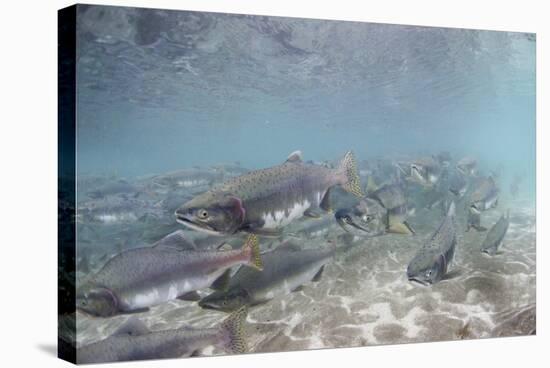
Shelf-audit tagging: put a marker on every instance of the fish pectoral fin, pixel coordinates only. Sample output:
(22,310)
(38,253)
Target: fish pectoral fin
(319,274)
(400,228)
(132,327)
(191,296)
(411,229)
(175,241)
(222,282)
(313,213)
(325,202)
(298,289)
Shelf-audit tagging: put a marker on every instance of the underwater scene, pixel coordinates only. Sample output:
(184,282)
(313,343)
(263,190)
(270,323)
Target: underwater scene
(265,184)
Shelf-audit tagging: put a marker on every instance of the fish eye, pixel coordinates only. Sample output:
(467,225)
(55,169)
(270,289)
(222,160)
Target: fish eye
(428,273)
(367,218)
(203,214)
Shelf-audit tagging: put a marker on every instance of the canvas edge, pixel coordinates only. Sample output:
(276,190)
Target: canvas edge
(66,300)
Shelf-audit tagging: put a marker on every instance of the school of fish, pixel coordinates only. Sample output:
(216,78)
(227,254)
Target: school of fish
(228,239)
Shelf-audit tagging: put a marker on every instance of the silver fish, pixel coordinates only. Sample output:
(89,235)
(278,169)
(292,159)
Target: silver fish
(467,166)
(383,210)
(444,158)
(134,341)
(285,270)
(514,186)
(142,277)
(496,235)
(458,184)
(483,197)
(367,218)
(189,178)
(432,261)
(264,201)
(119,187)
(116,210)
(425,171)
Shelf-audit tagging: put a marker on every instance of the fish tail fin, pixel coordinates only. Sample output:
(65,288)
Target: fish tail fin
(232,327)
(352,182)
(252,248)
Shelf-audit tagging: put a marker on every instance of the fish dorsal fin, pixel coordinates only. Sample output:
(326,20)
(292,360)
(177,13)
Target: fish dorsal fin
(222,282)
(175,241)
(132,327)
(295,156)
(289,245)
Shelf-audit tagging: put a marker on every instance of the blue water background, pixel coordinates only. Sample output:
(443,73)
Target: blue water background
(163,90)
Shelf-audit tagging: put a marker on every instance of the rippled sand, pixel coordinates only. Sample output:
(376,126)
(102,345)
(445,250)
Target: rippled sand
(365,299)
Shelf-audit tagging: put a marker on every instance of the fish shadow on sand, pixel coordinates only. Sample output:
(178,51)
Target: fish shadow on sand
(497,253)
(456,273)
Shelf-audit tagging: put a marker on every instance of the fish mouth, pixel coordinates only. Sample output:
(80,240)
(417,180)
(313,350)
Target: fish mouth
(418,281)
(205,228)
(345,221)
